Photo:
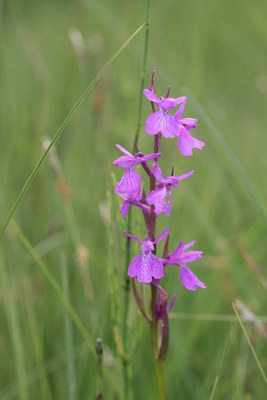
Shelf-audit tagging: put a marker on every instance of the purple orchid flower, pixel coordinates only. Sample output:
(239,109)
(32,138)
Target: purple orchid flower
(180,258)
(186,142)
(161,121)
(161,197)
(146,266)
(129,186)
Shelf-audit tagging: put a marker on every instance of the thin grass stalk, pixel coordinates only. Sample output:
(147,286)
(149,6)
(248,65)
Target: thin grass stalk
(36,338)
(60,129)
(223,359)
(49,277)
(143,73)
(251,346)
(127,282)
(16,336)
(71,372)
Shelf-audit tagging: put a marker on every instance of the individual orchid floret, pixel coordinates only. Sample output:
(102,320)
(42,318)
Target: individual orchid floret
(180,258)
(146,267)
(186,142)
(161,121)
(130,184)
(161,197)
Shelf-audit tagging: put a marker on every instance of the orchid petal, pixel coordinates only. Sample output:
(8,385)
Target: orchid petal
(146,266)
(157,172)
(129,185)
(150,95)
(123,150)
(189,280)
(163,122)
(186,143)
(162,235)
(179,112)
(132,236)
(157,198)
(125,209)
(169,102)
(125,161)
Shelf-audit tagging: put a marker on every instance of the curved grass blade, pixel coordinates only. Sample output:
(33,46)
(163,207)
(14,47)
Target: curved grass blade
(62,126)
(60,294)
(251,347)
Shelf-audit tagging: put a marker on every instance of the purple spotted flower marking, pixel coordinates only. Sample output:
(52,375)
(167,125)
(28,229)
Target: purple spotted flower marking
(146,266)
(180,258)
(186,142)
(161,197)
(161,121)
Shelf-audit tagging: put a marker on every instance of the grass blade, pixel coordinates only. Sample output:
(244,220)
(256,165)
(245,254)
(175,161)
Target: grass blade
(62,126)
(225,351)
(251,347)
(71,311)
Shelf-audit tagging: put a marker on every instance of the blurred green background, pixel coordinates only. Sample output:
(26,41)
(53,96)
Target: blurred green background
(215,52)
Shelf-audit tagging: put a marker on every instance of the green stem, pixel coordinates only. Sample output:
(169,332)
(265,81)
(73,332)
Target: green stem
(125,359)
(143,73)
(154,338)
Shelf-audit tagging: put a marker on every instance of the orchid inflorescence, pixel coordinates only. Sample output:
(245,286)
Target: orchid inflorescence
(147,267)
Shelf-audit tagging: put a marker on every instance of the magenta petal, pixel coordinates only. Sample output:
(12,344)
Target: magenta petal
(162,235)
(189,280)
(123,150)
(186,143)
(129,185)
(145,267)
(190,256)
(148,157)
(169,102)
(125,209)
(124,161)
(179,112)
(153,123)
(157,172)
(150,95)
(188,245)
(169,127)
(185,176)
(169,205)
(161,121)
(157,198)
(178,251)
(132,236)
(189,123)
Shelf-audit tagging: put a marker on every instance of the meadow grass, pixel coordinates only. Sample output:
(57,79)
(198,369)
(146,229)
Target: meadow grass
(214,52)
